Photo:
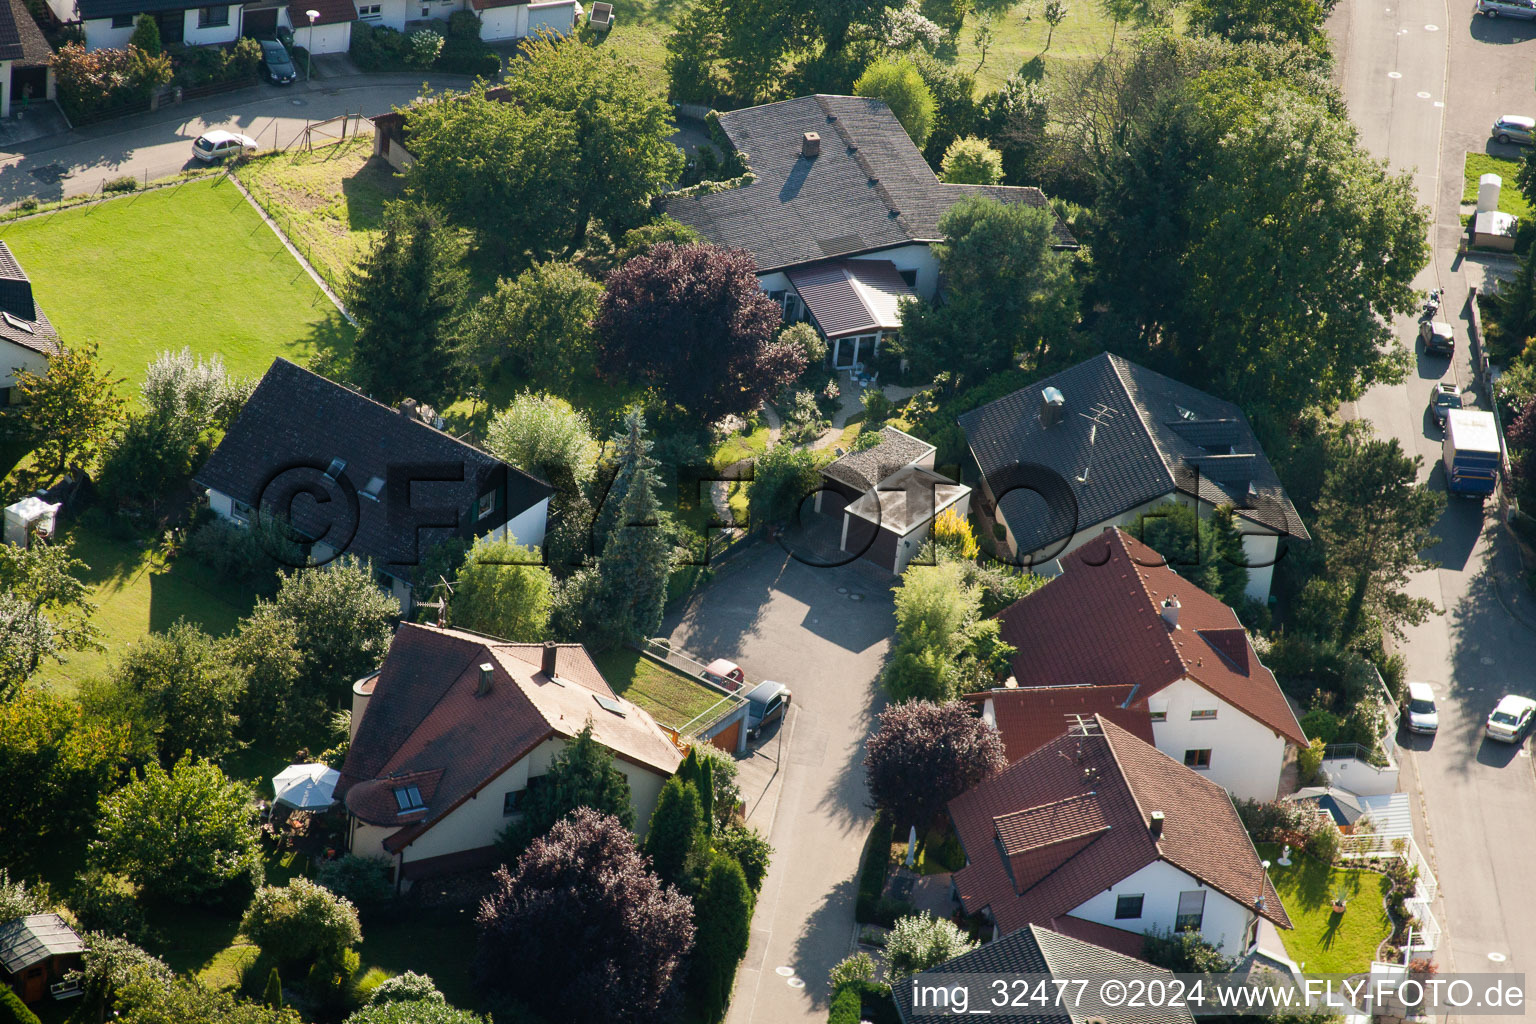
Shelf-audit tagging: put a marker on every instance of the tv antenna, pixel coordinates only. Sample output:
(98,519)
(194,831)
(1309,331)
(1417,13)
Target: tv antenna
(1099,417)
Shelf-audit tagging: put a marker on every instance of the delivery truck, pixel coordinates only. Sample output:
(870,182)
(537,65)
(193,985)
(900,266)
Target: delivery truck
(1471,452)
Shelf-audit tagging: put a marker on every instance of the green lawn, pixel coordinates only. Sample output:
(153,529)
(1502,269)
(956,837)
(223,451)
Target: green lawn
(1510,199)
(193,265)
(1018,35)
(672,698)
(1322,941)
(330,201)
(136,590)
(640,33)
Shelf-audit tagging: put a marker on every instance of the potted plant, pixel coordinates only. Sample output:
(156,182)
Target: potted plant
(1339,902)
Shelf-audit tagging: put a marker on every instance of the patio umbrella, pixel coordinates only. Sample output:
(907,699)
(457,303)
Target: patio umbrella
(306,787)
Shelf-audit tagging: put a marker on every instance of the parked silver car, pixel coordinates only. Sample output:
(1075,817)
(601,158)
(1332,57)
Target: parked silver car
(218,144)
(1507,8)
(1515,128)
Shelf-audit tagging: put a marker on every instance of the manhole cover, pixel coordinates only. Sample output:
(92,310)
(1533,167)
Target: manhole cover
(299,103)
(842,590)
(1497,958)
(784,972)
(855,597)
(49,172)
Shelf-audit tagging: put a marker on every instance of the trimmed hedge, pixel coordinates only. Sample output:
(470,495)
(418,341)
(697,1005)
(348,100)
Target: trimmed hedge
(14,1011)
(857,1001)
(847,1006)
(877,856)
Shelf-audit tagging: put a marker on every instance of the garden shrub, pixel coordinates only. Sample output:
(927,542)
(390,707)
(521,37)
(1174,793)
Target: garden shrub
(877,862)
(244,553)
(1184,953)
(920,941)
(361,881)
(103,904)
(95,83)
(1321,724)
(332,982)
(463,25)
(28,204)
(409,987)
(123,183)
(422,48)
(859,966)
(13,1010)
(847,1005)
(749,849)
(302,921)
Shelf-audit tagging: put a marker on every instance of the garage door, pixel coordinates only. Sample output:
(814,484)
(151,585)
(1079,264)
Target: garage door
(260,24)
(728,739)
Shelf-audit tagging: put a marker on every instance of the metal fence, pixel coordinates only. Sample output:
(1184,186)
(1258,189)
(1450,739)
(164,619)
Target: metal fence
(691,667)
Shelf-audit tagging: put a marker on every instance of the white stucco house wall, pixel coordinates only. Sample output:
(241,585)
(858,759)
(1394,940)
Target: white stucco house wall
(364,480)
(455,727)
(1098,835)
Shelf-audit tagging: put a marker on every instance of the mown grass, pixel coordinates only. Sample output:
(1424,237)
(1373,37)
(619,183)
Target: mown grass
(1325,942)
(1019,35)
(1510,198)
(672,698)
(136,591)
(193,266)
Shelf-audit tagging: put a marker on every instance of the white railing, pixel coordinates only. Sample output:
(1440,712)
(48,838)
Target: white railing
(1426,937)
(1364,847)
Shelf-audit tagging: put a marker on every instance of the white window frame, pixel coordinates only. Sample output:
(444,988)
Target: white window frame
(1203,715)
(205,16)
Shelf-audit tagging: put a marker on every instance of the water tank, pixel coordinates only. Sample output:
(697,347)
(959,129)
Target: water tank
(1488,192)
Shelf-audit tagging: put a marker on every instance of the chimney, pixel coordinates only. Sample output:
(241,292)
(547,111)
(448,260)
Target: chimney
(1155,826)
(1171,611)
(486,670)
(810,146)
(547,665)
(407,408)
(1052,402)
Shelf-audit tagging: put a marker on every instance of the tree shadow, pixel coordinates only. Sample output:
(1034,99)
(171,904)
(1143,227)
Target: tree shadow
(823,941)
(367,191)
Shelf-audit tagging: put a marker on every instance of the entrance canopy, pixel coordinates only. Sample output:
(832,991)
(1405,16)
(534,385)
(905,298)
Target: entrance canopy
(852,296)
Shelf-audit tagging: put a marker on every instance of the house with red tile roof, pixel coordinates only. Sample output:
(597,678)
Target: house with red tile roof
(1143,641)
(1101,836)
(455,728)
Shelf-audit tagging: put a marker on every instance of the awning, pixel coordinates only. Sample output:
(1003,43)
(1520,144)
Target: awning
(306,787)
(852,296)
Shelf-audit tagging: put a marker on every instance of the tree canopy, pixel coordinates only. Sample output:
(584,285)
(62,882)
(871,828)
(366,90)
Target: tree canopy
(902,88)
(44,611)
(972,161)
(71,410)
(502,590)
(580,775)
(924,754)
(691,323)
(537,325)
(543,435)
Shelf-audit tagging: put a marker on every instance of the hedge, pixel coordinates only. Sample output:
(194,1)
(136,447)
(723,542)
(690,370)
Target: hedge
(847,1006)
(856,1001)
(14,1011)
(877,857)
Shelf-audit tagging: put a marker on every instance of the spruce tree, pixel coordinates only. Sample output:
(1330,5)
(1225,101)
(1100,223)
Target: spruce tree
(637,557)
(632,454)
(723,915)
(403,295)
(676,833)
(273,996)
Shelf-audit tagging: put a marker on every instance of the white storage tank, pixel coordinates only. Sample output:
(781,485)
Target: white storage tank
(30,514)
(1488,192)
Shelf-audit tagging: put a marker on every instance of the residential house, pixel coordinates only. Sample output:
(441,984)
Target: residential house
(1103,837)
(359,478)
(27,339)
(1118,617)
(1105,441)
(888,496)
(25,75)
(329,32)
(840,211)
(110,23)
(1036,954)
(36,952)
(456,728)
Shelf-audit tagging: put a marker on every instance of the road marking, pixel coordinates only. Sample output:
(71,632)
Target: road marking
(796,983)
(1423,95)
(1439,104)
(784,972)
(1497,958)
(1394,74)
(1431,28)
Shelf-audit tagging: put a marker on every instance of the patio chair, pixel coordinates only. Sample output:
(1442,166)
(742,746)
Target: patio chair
(601,16)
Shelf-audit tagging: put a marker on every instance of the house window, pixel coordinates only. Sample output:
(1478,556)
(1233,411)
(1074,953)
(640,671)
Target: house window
(213,17)
(1129,907)
(241,510)
(1191,911)
(122,20)
(511,802)
(408,798)
(370,11)
(909,276)
(487,505)
(1158,716)
(1203,715)
(1197,758)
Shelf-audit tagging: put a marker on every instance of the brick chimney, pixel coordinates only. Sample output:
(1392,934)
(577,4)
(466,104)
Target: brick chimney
(547,663)
(810,146)
(487,671)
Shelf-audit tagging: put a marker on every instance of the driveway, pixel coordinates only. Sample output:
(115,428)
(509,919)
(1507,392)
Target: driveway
(825,633)
(1424,79)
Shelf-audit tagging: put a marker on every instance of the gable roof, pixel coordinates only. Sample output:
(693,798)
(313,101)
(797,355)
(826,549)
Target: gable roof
(1112,782)
(1029,717)
(20,38)
(1100,622)
(868,189)
(426,724)
(1041,951)
(1137,436)
(296,422)
(21,321)
(33,939)
(852,296)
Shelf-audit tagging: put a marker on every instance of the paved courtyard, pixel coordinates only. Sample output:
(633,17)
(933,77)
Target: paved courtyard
(824,633)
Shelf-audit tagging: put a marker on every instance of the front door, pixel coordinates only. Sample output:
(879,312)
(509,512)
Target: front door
(172,25)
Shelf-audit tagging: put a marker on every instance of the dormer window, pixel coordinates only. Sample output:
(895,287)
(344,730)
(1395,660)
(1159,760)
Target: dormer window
(408,798)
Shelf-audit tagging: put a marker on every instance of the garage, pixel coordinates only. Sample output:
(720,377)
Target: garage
(729,738)
(259,23)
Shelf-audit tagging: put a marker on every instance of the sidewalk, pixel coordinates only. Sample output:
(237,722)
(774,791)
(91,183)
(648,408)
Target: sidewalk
(1508,585)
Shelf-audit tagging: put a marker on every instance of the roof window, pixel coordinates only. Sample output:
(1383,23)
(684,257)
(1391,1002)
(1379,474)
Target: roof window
(609,704)
(374,488)
(408,798)
(17,322)
(334,470)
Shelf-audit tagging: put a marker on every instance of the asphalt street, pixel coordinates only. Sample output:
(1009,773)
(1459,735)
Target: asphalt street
(159,144)
(1424,81)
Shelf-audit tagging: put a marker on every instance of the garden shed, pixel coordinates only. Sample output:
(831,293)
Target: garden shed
(36,952)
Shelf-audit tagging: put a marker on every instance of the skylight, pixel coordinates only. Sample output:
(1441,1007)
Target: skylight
(609,704)
(408,798)
(335,468)
(17,322)
(375,487)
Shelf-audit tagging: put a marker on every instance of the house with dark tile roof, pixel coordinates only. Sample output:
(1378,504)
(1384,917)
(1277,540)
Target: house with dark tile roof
(839,212)
(358,478)
(27,339)
(455,729)
(887,497)
(1130,639)
(1103,837)
(1106,441)
(1039,955)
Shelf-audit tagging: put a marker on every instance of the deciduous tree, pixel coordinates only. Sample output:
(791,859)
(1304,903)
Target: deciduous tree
(580,928)
(972,161)
(537,325)
(543,435)
(502,590)
(1300,21)
(691,322)
(181,835)
(43,610)
(924,754)
(902,88)
(71,410)
(921,941)
(403,294)
(301,922)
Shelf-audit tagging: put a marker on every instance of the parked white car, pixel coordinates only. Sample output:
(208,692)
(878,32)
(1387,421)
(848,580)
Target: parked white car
(1510,719)
(218,144)
(1422,715)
